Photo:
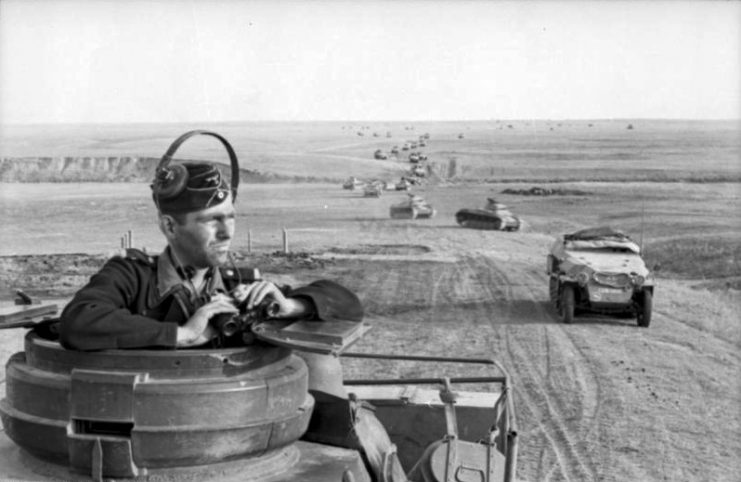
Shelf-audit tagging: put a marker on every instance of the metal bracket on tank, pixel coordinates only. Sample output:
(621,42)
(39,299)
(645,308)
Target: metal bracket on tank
(101,423)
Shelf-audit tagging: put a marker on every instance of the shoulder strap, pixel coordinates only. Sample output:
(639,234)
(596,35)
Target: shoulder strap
(141,257)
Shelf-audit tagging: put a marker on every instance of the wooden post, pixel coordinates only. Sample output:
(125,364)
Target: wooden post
(249,241)
(285,240)
(130,235)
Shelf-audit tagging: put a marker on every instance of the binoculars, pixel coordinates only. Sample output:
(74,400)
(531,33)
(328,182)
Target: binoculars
(229,324)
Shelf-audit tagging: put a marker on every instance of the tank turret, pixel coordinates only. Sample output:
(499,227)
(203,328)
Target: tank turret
(493,216)
(414,207)
(243,413)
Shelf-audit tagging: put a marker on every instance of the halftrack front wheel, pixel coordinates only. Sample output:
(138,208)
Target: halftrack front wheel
(553,292)
(645,306)
(566,310)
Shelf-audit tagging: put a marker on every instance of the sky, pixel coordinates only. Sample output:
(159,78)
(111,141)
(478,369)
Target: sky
(98,61)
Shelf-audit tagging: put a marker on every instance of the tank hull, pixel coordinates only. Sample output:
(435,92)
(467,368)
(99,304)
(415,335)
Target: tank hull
(411,212)
(488,220)
(373,191)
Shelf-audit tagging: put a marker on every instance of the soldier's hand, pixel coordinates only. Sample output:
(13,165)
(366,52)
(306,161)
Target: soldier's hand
(197,330)
(255,293)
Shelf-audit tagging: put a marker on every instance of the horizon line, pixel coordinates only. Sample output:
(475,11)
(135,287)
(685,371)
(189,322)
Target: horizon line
(357,121)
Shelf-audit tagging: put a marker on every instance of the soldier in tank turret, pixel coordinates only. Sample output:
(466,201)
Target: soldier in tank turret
(170,300)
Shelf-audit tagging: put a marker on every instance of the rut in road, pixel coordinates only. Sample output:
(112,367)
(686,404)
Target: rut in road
(475,303)
(552,380)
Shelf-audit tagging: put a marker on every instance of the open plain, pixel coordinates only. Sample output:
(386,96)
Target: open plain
(600,399)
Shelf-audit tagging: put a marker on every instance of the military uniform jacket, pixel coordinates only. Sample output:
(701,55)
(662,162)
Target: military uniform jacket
(122,307)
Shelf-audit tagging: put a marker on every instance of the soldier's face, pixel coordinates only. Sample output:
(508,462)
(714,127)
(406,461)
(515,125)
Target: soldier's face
(204,238)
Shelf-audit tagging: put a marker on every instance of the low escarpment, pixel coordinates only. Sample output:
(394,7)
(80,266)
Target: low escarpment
(93,169)
(76,169)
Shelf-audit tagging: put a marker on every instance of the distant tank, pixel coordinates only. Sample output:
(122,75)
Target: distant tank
(493,216)
(374,189)
(379,154)
(352,183)
(415,207)
(403,185)
(418,171)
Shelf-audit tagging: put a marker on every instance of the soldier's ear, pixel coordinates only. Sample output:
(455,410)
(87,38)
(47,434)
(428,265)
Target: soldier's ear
(167,224)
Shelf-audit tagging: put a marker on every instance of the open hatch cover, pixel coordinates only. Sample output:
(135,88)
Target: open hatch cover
(25,316)
(313,336)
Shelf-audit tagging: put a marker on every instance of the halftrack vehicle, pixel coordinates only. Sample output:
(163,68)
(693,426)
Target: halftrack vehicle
(414,207)
(242,413)
(493,216)
(599,270)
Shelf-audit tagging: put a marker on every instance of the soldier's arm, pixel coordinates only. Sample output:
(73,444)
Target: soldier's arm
(320,300)
(103,314)
(329,301)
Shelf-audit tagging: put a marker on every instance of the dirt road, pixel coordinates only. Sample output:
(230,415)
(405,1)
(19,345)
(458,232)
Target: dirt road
(597,400)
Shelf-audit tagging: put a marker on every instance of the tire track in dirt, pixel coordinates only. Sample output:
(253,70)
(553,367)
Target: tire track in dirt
(495,300)
(501,306)
(544,377)
(561,458)
(561,376)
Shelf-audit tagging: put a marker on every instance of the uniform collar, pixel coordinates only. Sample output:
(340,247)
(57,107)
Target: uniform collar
(168,277)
